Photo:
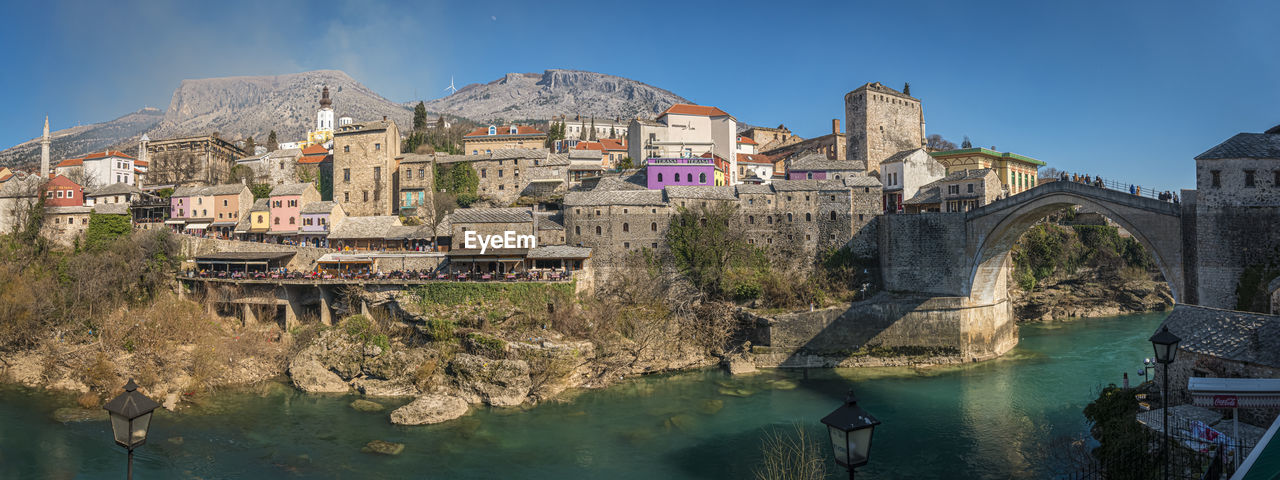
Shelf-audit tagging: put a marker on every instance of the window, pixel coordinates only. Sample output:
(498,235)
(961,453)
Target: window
(833,216)
(346,149)
(499,173)
(970,188)
(59,193)
(808,217)
(1248,178)
(597,230)
(653,227)
(484,173)
(770,219)
(654,245)
(659,177)
(422,173)
(751,219)
(346,196)
(292,203)
(1217,178)
(277,220)
(346,175)
(859,217)
(577,230)
(377,146)
(808,176)
(260,219)
(688,177)
(702,178)
(291,220)
(493,130)
(788,216)
(1276,181)
(366,195)
(626,245)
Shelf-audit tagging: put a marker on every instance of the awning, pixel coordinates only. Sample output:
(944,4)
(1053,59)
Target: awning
(290,232)
(174,222)
(1234,392)
(197,226)
(223,224)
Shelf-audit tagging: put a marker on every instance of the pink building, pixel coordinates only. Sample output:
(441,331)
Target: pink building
(286,203)
(662,172)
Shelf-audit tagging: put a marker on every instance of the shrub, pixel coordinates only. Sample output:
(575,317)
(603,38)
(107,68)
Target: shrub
(486,346)
(438,329)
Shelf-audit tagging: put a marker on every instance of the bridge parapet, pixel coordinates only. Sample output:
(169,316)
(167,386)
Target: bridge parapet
(1098,194)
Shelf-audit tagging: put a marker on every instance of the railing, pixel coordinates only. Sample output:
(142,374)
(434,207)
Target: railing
(1140,190)
(1137,452)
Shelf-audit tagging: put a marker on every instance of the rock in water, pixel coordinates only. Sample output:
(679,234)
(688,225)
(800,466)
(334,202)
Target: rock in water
(311,376)
(383,447)
(501,383)
(362,405)
(712,406)
(429,409)
(740,365)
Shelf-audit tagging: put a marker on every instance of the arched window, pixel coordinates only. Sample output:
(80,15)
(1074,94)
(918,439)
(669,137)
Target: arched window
(788,216)
(702,221)
(626,227)
(702,178)
(597,230)
(277,220)
(493,130)
(833,216)
(659,177)
(770,218)
(291,220)
(689,177)
(513,130)
(808,217)
(577,230)
(653,227)
(751,219)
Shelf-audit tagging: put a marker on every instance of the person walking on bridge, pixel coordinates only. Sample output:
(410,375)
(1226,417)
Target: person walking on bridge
(1131,190)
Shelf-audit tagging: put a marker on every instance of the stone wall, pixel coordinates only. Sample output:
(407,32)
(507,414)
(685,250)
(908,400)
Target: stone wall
(1235,226)
(909,328)
(924,253)
(881,122)
(364,169)
(1190,364)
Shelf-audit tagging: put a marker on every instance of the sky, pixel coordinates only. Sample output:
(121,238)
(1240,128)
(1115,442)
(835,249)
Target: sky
(1132,91)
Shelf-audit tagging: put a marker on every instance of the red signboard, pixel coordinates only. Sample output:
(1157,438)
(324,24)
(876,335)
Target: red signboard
(1225,401)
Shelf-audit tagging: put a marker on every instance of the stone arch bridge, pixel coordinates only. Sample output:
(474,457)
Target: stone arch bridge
(992,230)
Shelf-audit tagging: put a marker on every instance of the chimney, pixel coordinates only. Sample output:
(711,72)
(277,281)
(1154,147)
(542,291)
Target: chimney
(384,118)
(835,126)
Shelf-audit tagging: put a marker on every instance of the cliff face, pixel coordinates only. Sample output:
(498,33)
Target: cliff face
(1089,295)
(519,96)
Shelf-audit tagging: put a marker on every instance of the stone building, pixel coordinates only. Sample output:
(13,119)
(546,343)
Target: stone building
(881,122)
(771,138)
(188,160)
(1235,211)
(417,182)
(686,131)
(316,166)
(364,162)
(273,168)
(969,189)
(1223,344)
(816,166)
(904,173)
(833,145)
(491,138)
(506,176)
(549,227)
(114,193)
(63,225)
(489,221)
(1017,172)
(615,220)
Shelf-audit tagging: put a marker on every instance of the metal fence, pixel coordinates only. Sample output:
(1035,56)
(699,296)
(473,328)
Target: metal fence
(1134,451)
(1130,188)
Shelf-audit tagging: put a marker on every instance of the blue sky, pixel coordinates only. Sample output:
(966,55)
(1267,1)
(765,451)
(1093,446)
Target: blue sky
(1127,90)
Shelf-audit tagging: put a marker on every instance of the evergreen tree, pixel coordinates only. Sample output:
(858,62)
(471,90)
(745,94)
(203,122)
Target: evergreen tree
(593,129)
(612,133)
(273,143)
(249,145)
(906,89)
(966,143)
(420,116)
(439,123)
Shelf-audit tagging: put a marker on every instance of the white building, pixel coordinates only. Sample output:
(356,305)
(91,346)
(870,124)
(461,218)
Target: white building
(579,127)
(99,169)
(904,173)
(687,131)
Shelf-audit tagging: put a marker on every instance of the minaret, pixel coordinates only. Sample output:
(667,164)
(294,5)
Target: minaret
(45,142)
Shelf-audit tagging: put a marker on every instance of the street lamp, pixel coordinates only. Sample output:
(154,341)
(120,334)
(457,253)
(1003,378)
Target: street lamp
(850,428)
(130,419)
(1166,345)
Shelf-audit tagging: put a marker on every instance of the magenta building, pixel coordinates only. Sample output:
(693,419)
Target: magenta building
(662,172)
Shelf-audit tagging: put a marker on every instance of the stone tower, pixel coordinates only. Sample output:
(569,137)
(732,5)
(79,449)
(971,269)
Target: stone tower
(45,143)
(880,122)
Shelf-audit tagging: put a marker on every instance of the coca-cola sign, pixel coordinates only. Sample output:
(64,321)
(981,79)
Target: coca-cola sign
(1225,401)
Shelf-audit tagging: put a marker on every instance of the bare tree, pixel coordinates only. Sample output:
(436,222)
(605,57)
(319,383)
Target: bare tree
(175,167)
(938,144)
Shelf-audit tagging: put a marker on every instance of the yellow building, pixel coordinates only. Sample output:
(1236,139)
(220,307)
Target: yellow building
(1016,172)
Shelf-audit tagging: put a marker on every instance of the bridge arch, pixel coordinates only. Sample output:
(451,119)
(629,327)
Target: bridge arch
(993,229)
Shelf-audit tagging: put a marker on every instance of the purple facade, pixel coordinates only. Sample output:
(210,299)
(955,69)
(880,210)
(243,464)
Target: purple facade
(663,172)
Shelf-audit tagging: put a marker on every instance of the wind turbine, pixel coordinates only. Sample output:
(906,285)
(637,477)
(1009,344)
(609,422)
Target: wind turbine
(451,88)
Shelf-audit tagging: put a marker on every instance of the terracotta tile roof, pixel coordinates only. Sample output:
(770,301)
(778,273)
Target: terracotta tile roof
(110,153)
(746,140)
(700,110)
(141,163)
(614,143)
(755,158)
(589,146)
(70,162)
(75,162)
(313,159)
(315,150)
(504,130)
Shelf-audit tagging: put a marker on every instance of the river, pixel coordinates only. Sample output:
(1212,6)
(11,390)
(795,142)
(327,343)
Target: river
(993,419)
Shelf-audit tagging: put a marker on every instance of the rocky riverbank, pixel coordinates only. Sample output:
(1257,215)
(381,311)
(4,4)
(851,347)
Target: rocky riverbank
(1088,296)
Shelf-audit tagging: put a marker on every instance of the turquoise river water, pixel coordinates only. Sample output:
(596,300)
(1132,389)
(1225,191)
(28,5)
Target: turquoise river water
(993,419)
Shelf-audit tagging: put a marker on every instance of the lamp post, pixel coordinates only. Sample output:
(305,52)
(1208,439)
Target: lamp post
(130,419)
(850,428)
(1166,345)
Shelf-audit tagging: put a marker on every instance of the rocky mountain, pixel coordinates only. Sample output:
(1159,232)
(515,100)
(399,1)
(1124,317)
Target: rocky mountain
(235,107)
(80,140)
(522,96)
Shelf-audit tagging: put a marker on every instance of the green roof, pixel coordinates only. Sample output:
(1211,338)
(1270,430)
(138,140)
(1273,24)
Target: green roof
(993,153)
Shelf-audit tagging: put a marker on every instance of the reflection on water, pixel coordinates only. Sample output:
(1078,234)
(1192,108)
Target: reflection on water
(988,420)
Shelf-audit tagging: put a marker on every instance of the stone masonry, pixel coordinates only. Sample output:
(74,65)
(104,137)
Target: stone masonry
(364,167)
(880,122)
